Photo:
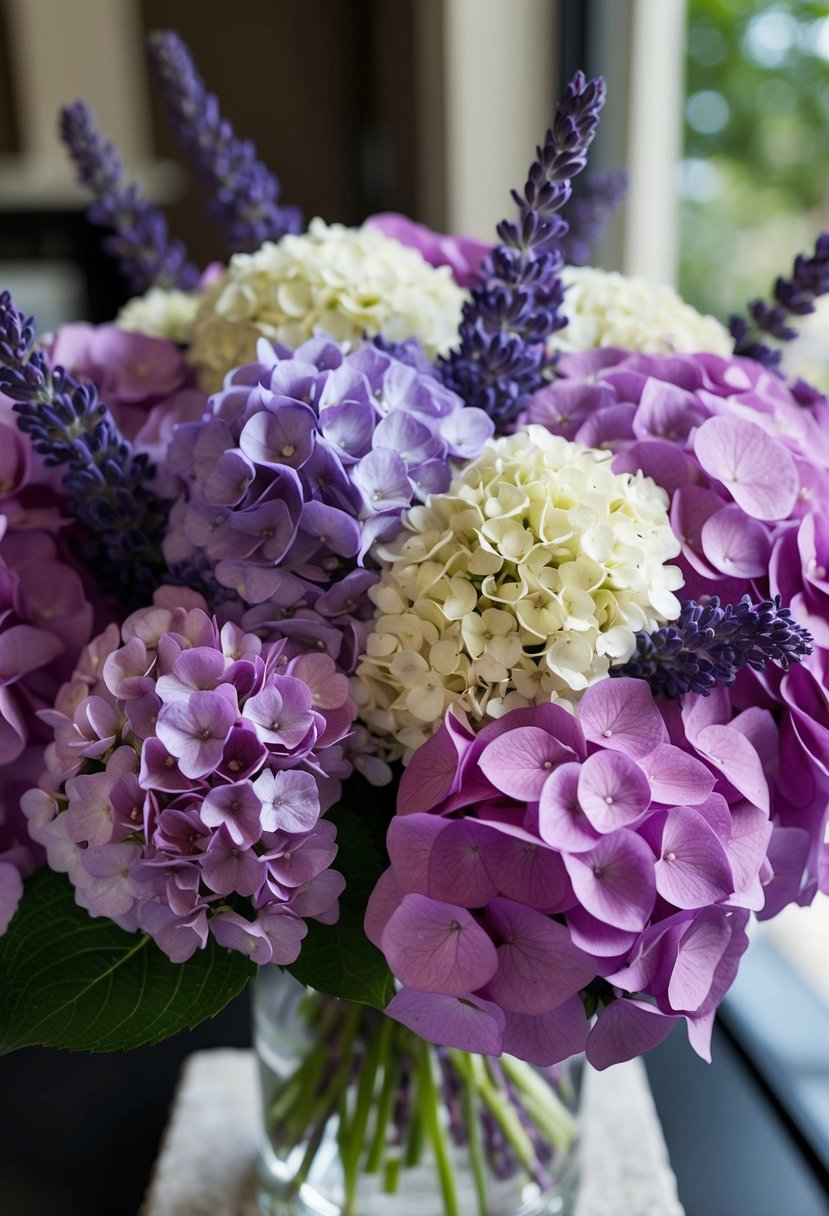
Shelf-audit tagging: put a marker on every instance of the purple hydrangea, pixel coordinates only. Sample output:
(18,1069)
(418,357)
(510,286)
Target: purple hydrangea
(301,463)
(190,768)
(744,458)
(552,865)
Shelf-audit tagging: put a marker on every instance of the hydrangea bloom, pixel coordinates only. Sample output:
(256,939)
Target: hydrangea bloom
(190,767)
(520,585)
(345,281)
(161,313)
(745,460)
(462,254)
(45,620)
(552,864)
(301,463)
(605,308)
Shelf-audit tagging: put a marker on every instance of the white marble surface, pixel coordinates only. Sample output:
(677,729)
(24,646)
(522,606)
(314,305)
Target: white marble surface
(207,1161)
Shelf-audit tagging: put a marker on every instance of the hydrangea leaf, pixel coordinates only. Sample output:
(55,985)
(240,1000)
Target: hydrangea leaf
(73,981)
(339,959)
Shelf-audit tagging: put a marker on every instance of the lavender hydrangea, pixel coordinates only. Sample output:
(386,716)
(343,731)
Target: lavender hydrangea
(709,644)
(191,766)
(108,484)
(246,198)
(502,352)
(551,858)
(303,461)
(139,240)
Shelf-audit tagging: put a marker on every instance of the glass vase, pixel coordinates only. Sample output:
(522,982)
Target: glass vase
(363,1118)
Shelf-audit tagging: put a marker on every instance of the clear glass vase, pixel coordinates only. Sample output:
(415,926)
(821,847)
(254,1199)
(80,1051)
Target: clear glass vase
(363,1118)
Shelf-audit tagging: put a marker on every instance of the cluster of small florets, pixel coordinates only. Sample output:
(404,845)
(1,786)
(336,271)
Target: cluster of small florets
(190,768)
(346,282)
(518,586)
(605,308)
(301,464)
(161,313)
(549,854)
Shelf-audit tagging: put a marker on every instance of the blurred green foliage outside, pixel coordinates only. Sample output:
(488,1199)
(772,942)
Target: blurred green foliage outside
(754,181)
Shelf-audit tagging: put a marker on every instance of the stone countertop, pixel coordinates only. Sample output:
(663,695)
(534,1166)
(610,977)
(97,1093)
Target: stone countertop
(207,1164)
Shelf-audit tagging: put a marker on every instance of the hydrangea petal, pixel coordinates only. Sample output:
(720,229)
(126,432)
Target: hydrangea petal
(547,1038)
(519,762)
(438,947)
(759,472)
(625,1029)
(538,966)
(430,774)
(621,714)
(700,951)
(456,865)
(612,790)
(733,756)
(676,778)
(466,1022)
(561,821)
(736,545)
(614,881)
(523,868)
(409,841)
(693,869)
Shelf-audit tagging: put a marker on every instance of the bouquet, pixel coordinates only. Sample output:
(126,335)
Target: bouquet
(446,624)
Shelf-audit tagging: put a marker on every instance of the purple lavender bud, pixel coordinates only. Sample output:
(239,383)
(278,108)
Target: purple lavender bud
(139,241)
(594,200)
(107,484)
(710,644)
(246,193)
(793,297)
(502,354)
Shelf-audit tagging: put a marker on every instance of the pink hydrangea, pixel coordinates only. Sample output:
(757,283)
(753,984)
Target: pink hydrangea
(553,865)
(190,768)
(462,254)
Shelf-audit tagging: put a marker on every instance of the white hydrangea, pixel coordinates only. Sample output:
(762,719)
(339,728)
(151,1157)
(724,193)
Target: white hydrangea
(519,585)
(161,314)
(343,281)
(605,308)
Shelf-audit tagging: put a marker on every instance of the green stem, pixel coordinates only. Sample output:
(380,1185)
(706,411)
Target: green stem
(353,1130)
(476,1151)
(474,1069)
(386,1100)
(414,1140)
(430,1105)
(542,1103)
(334,1091)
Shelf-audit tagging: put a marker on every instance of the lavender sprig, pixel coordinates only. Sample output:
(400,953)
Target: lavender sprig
(511,314)
(594,200)
(709,644)
(794,297)
(246,199)
(140,239)
(107,484)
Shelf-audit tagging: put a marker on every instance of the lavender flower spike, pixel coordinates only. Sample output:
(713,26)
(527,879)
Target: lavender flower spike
(793,297)
(107,484)
(502,353)
(594,200)
(140,241)
(709,644)
(246,200)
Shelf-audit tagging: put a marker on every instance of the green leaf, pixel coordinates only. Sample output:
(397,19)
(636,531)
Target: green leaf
(339,959)
(74,981)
